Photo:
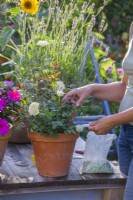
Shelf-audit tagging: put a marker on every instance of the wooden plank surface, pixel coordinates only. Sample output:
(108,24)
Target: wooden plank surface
(19,171)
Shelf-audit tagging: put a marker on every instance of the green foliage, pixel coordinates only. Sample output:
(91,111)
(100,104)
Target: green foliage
(119,13)
(50,49)
(5,37)
(108,70)
(53,120)
(49,52)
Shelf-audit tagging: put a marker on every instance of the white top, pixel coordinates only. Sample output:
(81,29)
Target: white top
(127,64)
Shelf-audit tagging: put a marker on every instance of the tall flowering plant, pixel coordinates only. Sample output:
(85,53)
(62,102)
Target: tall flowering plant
(9,106)
(47,59)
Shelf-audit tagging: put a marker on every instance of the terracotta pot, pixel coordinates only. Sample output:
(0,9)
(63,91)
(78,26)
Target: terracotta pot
(19,133)
(3,144)
(53,155)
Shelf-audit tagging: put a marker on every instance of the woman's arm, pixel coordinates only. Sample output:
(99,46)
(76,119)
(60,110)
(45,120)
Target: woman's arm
(104,125)
(112,92)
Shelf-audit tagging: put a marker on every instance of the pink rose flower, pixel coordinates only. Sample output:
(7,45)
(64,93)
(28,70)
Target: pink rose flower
(14,95)
(3,103)
(4,127)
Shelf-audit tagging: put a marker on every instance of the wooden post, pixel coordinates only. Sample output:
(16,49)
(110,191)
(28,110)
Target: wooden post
(113,194)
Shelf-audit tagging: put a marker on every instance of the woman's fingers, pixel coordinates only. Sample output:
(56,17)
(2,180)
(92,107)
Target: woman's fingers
(76,96)
(72,96)
(74,99)
(101,127)
(79,101)
(66,98)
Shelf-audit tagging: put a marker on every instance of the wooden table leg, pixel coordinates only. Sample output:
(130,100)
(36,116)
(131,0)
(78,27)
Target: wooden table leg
(113,194)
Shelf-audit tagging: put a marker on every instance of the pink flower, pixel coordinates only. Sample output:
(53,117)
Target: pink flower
(120,71)
(3,103)
(14,95)
(4,127)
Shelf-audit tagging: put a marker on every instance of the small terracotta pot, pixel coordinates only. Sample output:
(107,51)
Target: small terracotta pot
(53,155)
(3,144)
(19,133)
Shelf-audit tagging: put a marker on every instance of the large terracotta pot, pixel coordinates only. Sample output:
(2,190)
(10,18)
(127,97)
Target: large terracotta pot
(3,144)
(53,155)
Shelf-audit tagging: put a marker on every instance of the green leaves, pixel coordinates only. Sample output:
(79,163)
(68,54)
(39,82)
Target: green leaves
(99,52)
(5,37)
(13,12)
(6,2)
(56,124)
(52,119)
(104,67)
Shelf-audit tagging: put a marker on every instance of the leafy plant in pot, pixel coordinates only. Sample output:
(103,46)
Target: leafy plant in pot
(52,132)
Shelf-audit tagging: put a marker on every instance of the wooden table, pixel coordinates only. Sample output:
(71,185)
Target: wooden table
(19,179)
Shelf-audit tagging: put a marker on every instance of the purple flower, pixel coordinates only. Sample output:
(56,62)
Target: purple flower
(4,127)
(109,70)
(120,71)
(11,25)
(14,95)
(3,103)
(8,83)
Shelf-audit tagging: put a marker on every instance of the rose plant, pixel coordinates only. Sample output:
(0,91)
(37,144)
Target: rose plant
(9,106)
(47,59)
(46,114)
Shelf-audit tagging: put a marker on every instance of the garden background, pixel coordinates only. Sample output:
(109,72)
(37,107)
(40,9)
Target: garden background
(118,16)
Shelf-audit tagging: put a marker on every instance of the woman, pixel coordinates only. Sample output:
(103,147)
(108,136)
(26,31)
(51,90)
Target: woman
(115,92)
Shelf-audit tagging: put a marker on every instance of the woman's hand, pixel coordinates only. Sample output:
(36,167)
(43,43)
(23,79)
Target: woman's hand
(103,125)
(78,95)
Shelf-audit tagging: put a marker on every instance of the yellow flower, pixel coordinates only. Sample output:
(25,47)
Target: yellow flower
(52,76)
(30,6)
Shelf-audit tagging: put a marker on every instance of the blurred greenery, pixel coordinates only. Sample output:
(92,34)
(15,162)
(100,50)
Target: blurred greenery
(118,15)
